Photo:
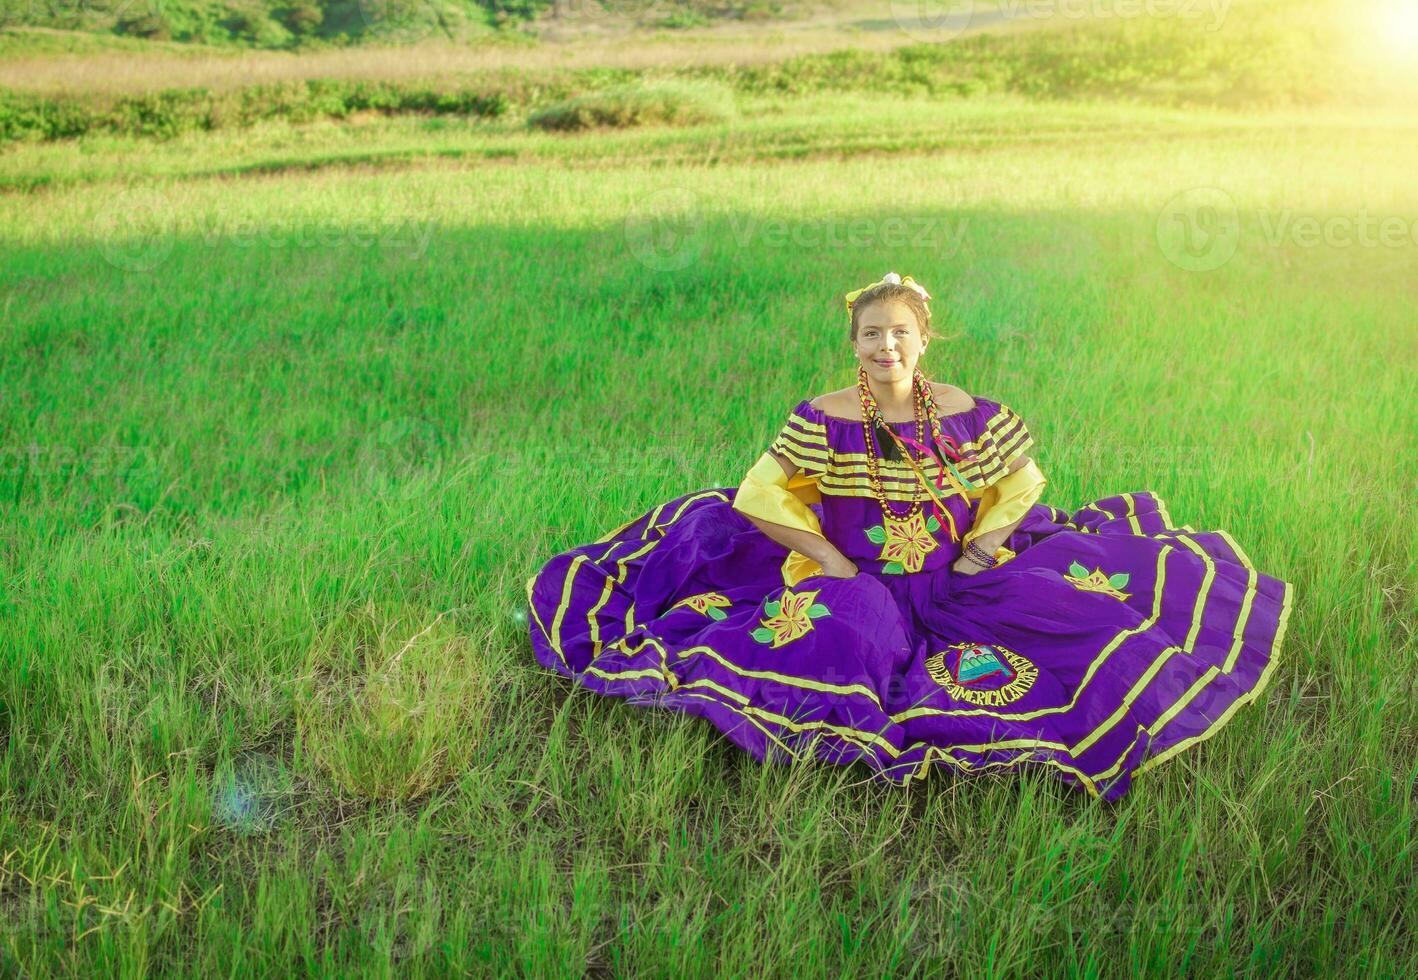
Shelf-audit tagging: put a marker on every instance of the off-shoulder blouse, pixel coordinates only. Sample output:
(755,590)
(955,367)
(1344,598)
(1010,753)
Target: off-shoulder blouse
(833,481)
(832,450)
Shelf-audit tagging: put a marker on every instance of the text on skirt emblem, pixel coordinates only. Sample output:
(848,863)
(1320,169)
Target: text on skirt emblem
(986,674)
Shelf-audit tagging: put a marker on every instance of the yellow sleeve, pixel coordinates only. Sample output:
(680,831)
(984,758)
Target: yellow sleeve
(1004,497)
(1005,501)
(768,494)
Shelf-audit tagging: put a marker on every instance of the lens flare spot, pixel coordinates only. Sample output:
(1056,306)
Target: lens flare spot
(1397,23)
(249,797)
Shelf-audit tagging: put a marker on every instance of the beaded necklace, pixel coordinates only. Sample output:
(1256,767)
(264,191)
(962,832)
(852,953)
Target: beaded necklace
(943,447)
(871,418)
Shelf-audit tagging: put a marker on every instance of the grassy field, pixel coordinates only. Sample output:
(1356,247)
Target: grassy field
(290,415)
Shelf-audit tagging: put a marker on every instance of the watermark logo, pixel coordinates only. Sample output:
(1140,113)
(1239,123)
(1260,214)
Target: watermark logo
(666,231)
(134,230)
(400,444)
(933,20)
(940,20)
(1199,229)
(1213,12)
(402,917)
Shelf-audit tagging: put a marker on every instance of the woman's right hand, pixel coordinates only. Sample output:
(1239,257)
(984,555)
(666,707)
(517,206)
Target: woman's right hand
(839,566)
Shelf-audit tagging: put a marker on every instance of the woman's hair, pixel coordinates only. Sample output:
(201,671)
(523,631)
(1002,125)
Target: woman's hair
(897,291)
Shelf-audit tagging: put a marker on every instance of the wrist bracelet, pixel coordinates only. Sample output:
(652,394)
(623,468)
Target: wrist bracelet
(977,554)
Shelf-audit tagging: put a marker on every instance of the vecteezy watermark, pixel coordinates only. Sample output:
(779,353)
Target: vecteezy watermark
(1201,229)
(665,230)
(57,11)
(584,11)
(69,461)
(1360,229)
(669,229)
(941,20)
(137,229)
(941,234)
(401,235)
(952,905)
(1169,461)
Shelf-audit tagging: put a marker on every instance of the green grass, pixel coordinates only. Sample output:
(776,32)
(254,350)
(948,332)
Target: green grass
(765,129)
(260,433)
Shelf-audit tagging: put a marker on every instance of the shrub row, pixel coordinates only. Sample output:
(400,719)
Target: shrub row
(175,111)
(1262,62)
(672,101)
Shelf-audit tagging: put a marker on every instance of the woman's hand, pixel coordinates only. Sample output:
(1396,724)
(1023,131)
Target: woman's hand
(839,566)
(965,566)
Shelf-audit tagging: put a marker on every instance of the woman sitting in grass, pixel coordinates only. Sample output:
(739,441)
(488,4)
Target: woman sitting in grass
(884,586)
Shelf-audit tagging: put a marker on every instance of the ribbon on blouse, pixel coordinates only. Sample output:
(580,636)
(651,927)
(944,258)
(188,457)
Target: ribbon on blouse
(945,450)
(955,480)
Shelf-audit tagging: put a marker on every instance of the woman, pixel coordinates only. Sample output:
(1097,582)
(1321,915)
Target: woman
(885,587)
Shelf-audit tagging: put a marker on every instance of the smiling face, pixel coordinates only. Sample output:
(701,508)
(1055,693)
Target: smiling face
(888,342)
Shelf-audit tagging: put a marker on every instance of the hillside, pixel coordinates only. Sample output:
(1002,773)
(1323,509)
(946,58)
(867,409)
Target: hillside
(311,24)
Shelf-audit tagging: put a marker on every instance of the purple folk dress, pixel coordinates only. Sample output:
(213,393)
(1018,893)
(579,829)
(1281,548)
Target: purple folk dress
(1111,641)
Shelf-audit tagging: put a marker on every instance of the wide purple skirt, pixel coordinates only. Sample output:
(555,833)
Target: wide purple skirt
(1111,642)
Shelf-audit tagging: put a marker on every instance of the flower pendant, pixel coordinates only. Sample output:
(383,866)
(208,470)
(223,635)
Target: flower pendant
(905,542)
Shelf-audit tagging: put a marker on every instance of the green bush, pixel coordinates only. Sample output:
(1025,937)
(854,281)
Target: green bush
(173,112)
(505,11)
(638,103)
(303,19)
(257,30)
(149,24)
(30,118)
(683,19)
(161,114)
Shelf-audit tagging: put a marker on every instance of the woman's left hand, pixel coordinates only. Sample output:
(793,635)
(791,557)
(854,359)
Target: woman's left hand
(964,566)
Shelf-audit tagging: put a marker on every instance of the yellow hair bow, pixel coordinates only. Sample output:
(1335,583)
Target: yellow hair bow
(890,277)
